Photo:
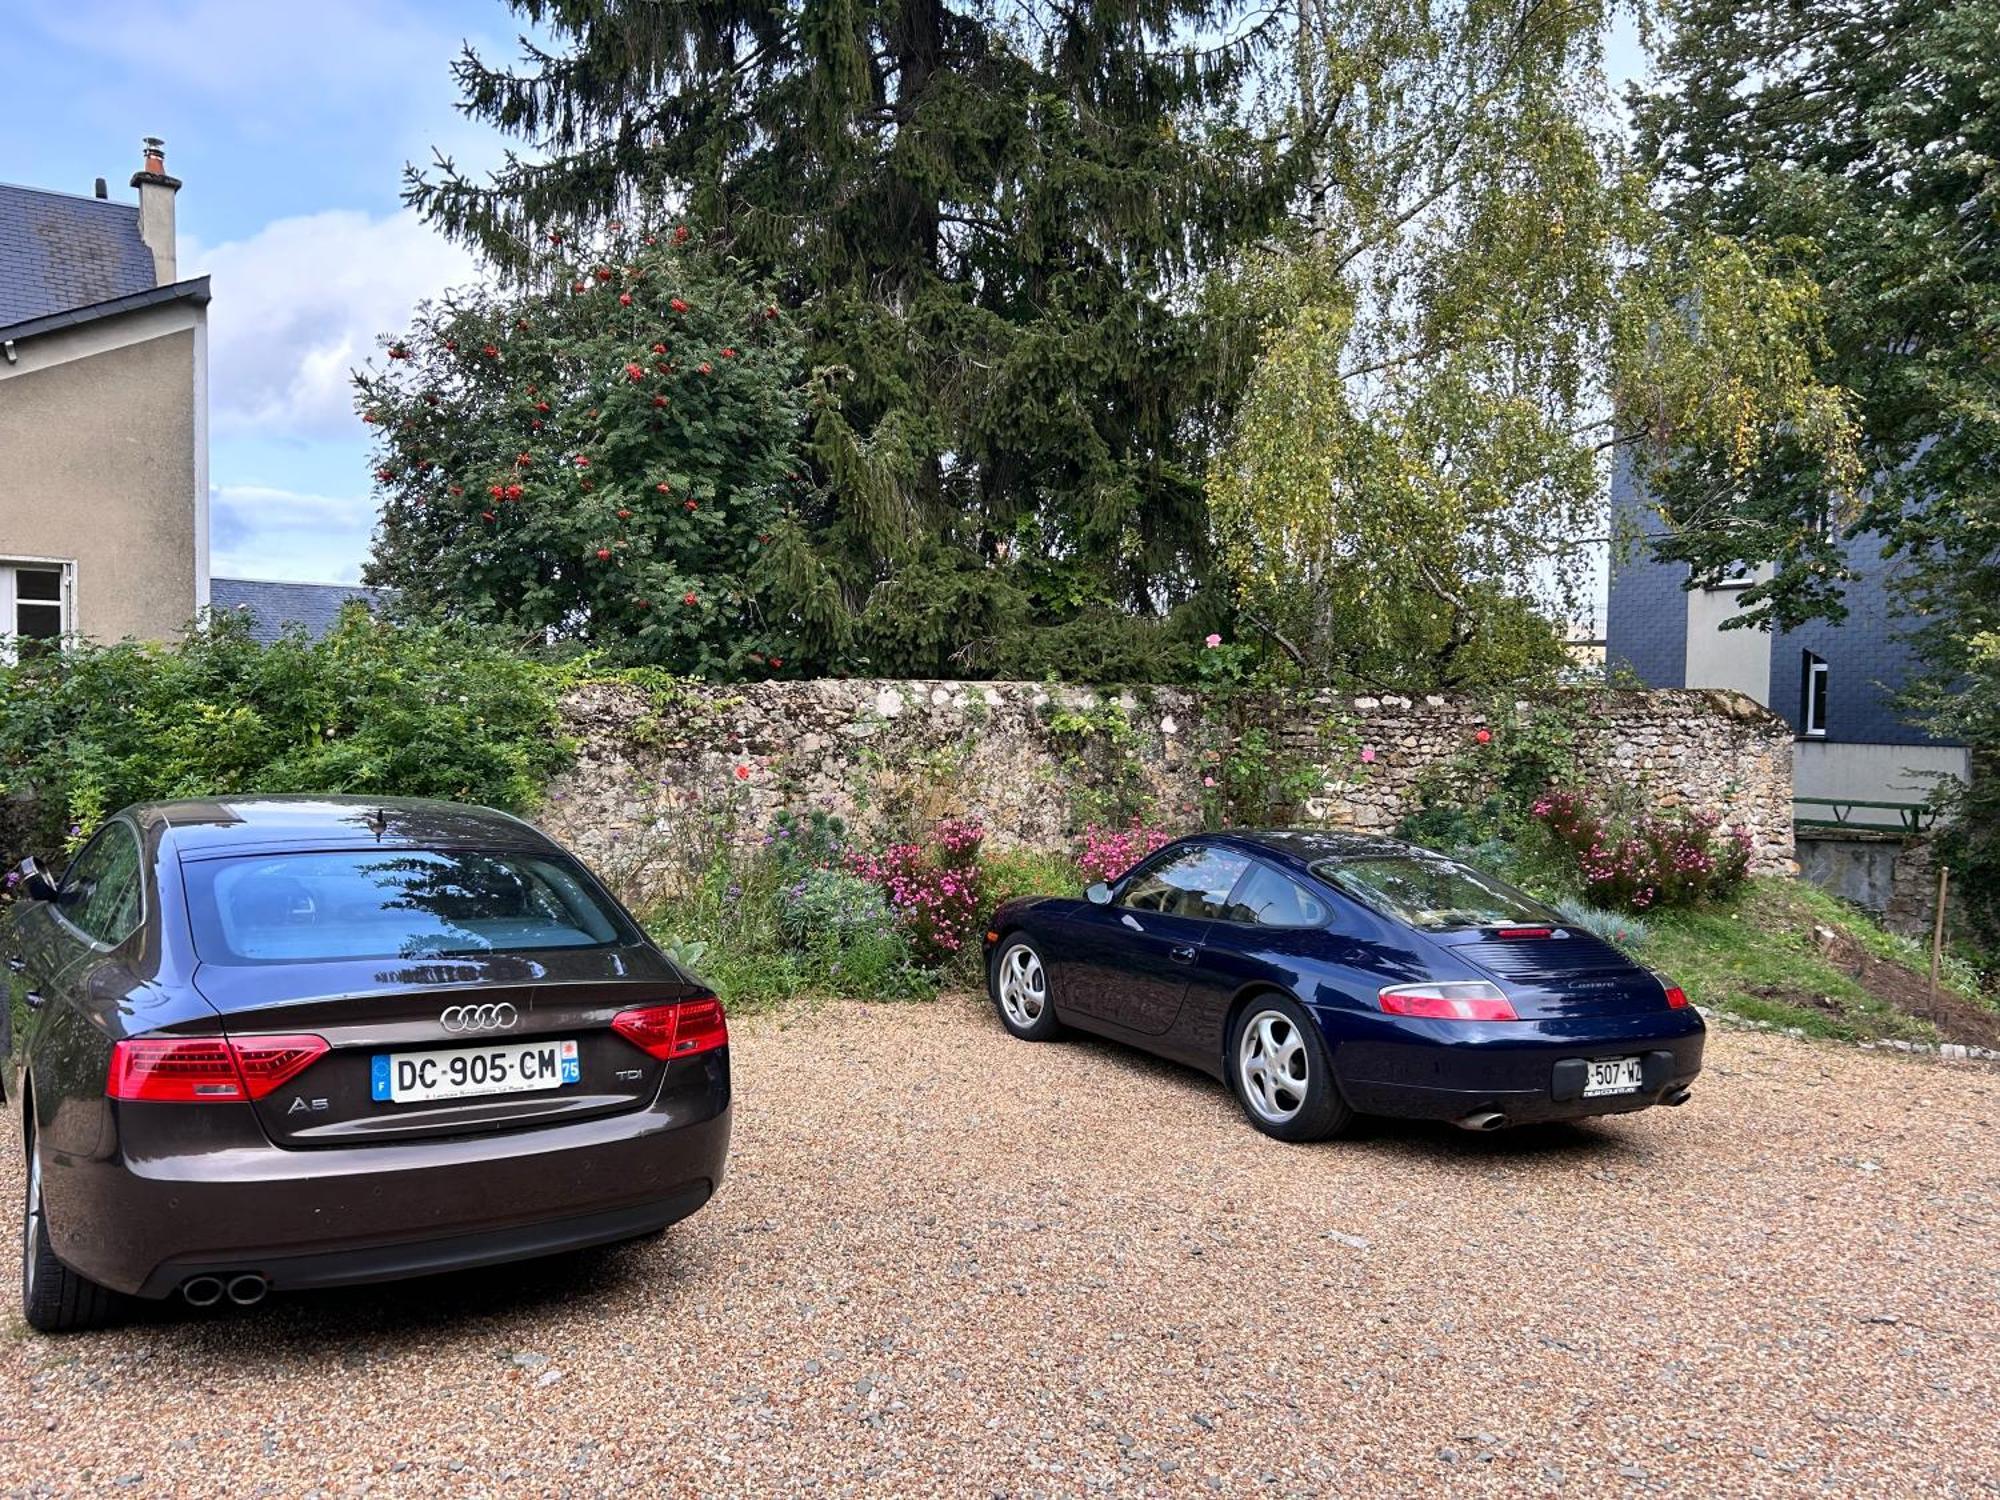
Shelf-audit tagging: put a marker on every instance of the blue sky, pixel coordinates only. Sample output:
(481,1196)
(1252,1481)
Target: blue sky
(289,121)
(289,124)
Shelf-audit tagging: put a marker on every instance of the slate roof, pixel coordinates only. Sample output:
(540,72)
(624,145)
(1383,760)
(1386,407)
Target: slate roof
(273,606)
(59,251)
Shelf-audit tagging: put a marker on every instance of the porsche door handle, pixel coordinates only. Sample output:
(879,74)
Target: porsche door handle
(1181,955)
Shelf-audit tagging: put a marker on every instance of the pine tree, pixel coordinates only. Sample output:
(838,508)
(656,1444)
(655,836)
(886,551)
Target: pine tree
(989,224)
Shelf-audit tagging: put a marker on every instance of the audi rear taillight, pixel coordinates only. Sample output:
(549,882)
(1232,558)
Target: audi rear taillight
(1471,1000)
(684,1028)
(207,1069)
(1676,997)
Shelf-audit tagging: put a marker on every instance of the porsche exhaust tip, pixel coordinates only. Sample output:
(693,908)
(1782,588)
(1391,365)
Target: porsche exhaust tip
(1481,1119)
(1677,1096)
(248,1289)
(202,1291)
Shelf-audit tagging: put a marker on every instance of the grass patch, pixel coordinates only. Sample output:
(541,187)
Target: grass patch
(1760,959)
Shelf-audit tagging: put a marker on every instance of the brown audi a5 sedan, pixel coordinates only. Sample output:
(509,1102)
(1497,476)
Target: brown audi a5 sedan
(305,1042)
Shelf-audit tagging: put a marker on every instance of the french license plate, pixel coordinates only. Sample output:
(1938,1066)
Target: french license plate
(1611,1075)
(463,1072)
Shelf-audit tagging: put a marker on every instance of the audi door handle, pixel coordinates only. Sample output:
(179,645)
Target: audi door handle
(1182,955)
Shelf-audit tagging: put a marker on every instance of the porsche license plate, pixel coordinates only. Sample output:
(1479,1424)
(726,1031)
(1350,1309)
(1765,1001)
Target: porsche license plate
(1611,1075)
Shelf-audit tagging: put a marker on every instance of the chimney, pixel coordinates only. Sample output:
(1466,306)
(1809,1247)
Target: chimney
(156,208)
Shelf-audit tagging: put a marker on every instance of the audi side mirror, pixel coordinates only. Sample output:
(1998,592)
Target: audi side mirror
(30,882)
(1099,894)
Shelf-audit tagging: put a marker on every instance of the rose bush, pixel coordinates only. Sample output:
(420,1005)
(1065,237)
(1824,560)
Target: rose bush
(1661,860)
(1106,853)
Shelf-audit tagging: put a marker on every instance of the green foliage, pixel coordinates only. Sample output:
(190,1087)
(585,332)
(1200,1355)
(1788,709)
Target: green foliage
(1647,863)
(991,223)
(414,710)
(1617,927)
(1856,142)
(743,916)
(605,455)
(1014,873)
(1476,305)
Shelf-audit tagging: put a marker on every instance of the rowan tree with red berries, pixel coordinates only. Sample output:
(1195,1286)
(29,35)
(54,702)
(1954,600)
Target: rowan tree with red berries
(601,455)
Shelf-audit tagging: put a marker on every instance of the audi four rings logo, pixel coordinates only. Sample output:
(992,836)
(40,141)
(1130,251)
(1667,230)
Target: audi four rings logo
(479,1017)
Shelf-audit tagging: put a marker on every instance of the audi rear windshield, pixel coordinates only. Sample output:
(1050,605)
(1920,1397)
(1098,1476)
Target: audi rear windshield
(392,903)
(1431,893)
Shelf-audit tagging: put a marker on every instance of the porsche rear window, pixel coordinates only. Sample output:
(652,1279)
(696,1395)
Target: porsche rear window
(1433,894)
(391,903)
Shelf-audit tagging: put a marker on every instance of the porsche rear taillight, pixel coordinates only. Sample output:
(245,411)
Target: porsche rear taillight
(1470,1000)
(684,1028)
(207,1069)
(1676,997)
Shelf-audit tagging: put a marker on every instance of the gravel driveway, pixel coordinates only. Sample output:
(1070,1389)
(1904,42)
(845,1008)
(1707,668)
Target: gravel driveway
(947,1261)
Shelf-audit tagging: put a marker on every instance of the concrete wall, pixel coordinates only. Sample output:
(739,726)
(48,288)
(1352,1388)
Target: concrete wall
(1873,773)
(659,775)
(102,464)
(1737,661)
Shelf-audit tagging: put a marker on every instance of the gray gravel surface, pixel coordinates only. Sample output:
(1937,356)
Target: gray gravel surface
(948,1262)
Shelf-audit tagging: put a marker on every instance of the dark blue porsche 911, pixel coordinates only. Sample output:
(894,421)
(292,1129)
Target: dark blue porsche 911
(1327,975)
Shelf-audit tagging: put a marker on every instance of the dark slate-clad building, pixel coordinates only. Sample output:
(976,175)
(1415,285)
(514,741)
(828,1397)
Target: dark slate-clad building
(272,608)
(1836,685)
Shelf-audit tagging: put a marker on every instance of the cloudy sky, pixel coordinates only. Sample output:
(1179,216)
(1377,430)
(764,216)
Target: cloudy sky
(289,122)
(289,125)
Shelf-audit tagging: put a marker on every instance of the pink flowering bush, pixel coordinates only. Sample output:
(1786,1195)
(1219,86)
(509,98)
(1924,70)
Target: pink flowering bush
(935,889)
(1677,859)
(1107,853)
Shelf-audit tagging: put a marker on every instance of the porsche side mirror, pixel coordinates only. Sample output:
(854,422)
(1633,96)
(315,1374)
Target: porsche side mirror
(32,883)
(1099,894)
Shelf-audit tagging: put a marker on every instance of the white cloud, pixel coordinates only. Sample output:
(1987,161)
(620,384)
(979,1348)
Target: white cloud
(257,531)
(298,306)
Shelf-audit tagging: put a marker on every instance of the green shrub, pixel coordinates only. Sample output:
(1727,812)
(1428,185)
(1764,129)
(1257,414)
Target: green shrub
(832,904)
(1659,860)
(374,707)
(1617,927)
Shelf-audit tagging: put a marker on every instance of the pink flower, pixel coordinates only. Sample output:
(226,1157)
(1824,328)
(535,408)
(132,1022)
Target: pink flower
(1368,755)
(1484,736)
(742,773)
(1208,781)
(1212,641)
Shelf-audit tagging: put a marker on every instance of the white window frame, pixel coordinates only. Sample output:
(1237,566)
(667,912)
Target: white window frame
(1817,674)
(10,620)
(1739,576)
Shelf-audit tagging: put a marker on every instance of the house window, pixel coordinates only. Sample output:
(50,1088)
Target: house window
(1737,575)
(1812,705)
(34,605)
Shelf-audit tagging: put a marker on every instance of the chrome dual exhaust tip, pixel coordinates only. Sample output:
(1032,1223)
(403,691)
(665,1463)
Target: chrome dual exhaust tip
(248,1289)
(1481,1119)
(202,1291)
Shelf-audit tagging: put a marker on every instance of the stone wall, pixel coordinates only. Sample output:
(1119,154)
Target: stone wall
(661,773)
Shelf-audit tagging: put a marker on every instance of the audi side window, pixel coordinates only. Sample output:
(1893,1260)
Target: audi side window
(1193,883)
(100,894)
(1272,900)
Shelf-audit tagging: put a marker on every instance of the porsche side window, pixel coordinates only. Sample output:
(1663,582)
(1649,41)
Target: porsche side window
(1270,900)
(1194,883)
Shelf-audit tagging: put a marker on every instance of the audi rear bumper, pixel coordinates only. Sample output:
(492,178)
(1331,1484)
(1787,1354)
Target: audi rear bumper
(158,1210)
